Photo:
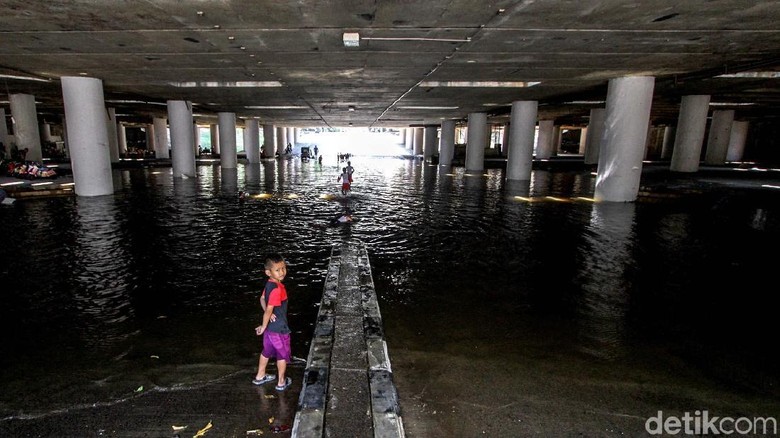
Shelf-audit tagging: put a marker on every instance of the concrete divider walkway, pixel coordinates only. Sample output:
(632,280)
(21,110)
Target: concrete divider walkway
(348,385)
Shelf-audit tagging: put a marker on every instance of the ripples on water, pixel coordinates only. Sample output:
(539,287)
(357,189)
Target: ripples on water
(95,287)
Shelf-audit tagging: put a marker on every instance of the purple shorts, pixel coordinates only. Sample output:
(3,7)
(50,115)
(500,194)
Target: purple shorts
(277,346)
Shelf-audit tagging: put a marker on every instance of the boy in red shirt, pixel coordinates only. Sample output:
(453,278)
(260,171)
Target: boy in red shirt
(274,328)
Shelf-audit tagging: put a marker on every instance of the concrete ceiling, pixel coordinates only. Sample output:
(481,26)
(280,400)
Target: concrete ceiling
(149,51)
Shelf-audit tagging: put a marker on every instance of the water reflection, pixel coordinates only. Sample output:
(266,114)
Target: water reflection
(101,274)
(229,181)
(604,256)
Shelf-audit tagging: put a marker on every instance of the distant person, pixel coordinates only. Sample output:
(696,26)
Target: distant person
(315,150)
(344,178)
(274,328)
(319,160)
(350,170)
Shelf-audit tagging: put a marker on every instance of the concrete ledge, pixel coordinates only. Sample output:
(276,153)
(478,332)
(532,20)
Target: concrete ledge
(348,387)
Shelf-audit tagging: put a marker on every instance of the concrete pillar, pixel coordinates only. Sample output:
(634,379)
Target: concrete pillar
(111,132)
(409,138)
(556,143)
(419,136)
(718,140)
(690,133)
(25,120)
(625,134)
(447,143)
(4,133)
(45,132)
(160,125)
(520,155)
(737,139)
(281,140)
(290,136)
(544,140)
(85,114)
(655,142)
(269,140)
(583,140)
(183,157)
(214,134)
(476,141)
(666,149)
(595,133)
(227,140)
(252,143)
(505,139)
(195,138)
(431,141)
(121,135)
(296,133)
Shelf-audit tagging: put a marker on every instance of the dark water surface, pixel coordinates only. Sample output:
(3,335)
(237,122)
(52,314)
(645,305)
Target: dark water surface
(157,285)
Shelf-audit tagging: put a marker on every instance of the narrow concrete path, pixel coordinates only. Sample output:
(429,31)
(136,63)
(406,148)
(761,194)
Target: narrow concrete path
(348,385)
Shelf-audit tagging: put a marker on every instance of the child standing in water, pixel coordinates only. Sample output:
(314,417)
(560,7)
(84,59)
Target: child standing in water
(345,181)
(274,328)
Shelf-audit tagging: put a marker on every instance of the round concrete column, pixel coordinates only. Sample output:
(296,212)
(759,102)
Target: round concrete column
(505,139)
(476,141)
(281,140)
(214,136)
(45,132)
(520,154)
(25,120)
(690,133)
(111,132)
(447,143)
(4,132)
(718,140)
(431,141)
(227,140)
(595,133)
(296,132)
(252,145)
(739,132)
(85,114)
(625,135)
(544,140)
(666,149)
(409,139)
(180,118)
(121,135)
(160,137)
(290,136)
(419,138)
(269,140)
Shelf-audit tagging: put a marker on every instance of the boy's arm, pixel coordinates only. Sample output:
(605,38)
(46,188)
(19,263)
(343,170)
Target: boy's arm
(262,301)
(269,312)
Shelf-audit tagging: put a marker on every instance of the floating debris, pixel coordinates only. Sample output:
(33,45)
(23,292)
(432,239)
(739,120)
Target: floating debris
(178,428)
(154,356)
(269,396)
(254,432)
(203,431)
(140,388)
(271,420)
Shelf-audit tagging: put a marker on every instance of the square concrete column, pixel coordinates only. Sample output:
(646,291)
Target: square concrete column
(544,140)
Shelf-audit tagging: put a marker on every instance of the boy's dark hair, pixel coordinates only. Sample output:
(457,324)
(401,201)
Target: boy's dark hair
(270,259)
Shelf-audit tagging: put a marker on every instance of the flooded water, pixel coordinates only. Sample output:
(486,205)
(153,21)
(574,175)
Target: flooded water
(157,286)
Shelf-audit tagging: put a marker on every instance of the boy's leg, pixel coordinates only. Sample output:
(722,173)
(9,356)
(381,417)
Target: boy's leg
(281,368)
(262,364)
